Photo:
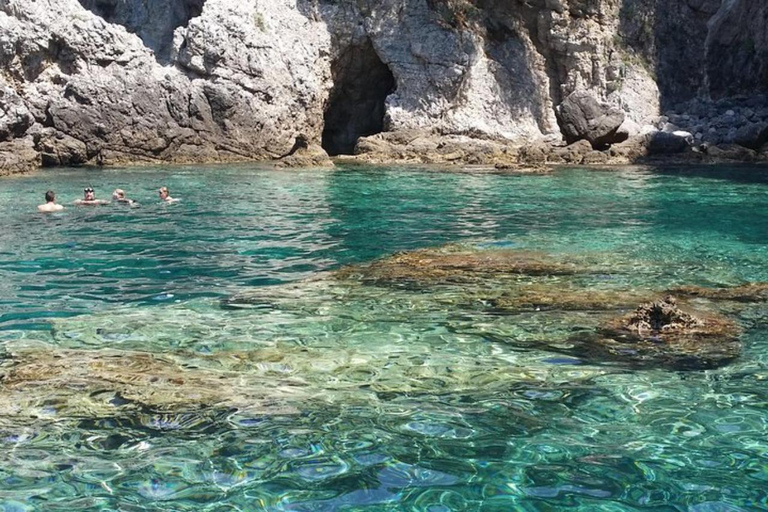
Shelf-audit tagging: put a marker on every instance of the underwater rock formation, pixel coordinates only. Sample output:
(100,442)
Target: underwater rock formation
(660,333)
(661,317)
(522,283)
(534,301)
(105,383)
(538,297)
(455,265)
(751,292)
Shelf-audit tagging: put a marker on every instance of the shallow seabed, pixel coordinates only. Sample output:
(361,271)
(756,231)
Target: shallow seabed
(132,383)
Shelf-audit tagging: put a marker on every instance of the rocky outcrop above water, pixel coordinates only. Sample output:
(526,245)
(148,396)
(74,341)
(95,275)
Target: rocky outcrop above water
(582,117)
(111,82)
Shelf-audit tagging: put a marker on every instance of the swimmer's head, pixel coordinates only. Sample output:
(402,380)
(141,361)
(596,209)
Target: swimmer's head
(118,194)
(89,194)
(50,197)
(163,191)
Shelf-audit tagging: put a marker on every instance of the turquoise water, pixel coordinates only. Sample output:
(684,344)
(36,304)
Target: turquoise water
(332,394)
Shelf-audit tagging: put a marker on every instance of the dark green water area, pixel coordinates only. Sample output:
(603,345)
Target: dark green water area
(377,339)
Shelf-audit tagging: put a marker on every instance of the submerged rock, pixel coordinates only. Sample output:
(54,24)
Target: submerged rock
(660,333)
(661,316)
(87,383)
(548,297)
(751,292)
(455,265)
(526,299)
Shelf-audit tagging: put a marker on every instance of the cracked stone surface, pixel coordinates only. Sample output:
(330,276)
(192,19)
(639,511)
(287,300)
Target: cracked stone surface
(108,82)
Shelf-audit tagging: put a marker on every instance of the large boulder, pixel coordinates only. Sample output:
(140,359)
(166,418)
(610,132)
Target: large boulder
(667,143)
(582,116)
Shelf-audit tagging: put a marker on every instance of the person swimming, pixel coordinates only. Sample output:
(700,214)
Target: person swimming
(89,198)
(119,196)
(50,203)
(165,195)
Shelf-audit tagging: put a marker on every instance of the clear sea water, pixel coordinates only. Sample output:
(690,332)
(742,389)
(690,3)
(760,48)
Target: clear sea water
(343,396)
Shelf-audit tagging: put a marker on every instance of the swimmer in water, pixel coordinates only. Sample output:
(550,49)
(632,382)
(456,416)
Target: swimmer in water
(50,203)
(166,196)
(119,196)
(89,198)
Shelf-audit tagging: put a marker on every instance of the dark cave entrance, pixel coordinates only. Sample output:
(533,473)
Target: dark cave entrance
(355,106)
(154,21)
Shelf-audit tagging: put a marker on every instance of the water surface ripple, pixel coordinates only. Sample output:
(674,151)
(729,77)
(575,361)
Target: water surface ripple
(333,395)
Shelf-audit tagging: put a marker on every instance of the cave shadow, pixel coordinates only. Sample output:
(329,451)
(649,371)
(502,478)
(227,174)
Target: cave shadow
(154,21)
(504,47)
(670,39)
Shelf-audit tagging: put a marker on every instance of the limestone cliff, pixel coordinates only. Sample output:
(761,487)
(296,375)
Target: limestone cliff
(127,81)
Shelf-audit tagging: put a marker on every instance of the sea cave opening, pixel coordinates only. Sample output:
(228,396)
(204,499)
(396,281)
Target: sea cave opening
(356,105)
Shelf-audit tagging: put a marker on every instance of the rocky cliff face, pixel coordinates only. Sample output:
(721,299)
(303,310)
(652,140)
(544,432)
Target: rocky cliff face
(126,81)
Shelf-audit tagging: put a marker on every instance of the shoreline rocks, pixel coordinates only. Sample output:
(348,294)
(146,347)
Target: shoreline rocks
(583,117)
(497,84)
(18,156)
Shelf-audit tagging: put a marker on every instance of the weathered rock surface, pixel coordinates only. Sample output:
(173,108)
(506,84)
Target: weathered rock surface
(661,333)
(15,118)
(233,93)
(18,156)
(666,143)
(109,82)
(582,116)
(419,146)
(57,148)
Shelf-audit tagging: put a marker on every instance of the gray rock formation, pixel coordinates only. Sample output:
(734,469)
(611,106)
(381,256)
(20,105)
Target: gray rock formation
(120,81)
(581,116)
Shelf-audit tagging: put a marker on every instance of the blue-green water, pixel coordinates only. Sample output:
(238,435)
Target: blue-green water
(344,396)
